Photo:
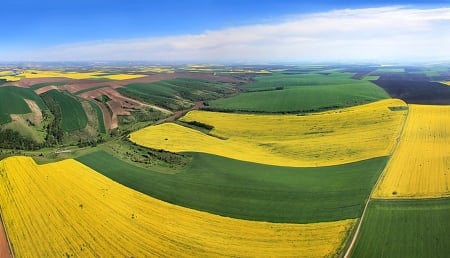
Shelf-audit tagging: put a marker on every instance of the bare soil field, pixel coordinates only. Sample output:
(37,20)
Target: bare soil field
(36,114)
(416,91)
(27,82)
(4,246)
(119,105)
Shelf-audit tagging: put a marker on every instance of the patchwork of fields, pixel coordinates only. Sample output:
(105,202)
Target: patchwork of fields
(420,167)
(301,93)
(286,140)
(175,94)
(308,161)
(87,209)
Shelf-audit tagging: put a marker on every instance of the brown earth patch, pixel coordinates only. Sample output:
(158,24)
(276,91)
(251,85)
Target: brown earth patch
(36,115)
(84,85)
(27,82)
(168,76)
(119,105)
(45,89)
(5,251)
(106,116)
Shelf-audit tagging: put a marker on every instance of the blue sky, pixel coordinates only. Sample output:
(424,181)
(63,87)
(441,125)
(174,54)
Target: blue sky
(221,31)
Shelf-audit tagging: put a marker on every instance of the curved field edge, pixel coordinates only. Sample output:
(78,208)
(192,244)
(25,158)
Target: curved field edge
(322,139)
(301,93)
(252,191)
(73,116)
(405,228)
(420,166)
(67,209)
(13,101)
(99,113)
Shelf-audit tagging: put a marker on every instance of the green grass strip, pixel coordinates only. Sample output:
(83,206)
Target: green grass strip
(101,122)
(252,191)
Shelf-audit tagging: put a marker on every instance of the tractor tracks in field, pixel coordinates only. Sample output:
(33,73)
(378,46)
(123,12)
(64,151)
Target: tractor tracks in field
(394,149)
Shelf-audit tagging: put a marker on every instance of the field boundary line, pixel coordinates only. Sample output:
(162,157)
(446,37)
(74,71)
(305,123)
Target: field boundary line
(356,234)
(11,253)
(412,198)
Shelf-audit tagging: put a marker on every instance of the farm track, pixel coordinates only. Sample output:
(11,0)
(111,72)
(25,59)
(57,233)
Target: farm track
(358,227)
(178,114)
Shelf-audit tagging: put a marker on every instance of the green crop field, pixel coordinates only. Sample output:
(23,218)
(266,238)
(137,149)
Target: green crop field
(12,102)
(405,228)
(301,93)
(168,93)
(73,115)
(252,191)
(101,122)
(44,84)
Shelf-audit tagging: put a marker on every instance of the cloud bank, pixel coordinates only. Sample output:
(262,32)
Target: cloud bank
(372,34)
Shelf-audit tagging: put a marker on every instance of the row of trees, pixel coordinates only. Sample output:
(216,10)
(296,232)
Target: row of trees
(10,139)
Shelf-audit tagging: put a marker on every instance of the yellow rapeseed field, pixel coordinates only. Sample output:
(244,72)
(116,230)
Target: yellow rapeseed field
(157,69)
(3,73)
(120,77)
(327,138)
(66,208)
(420,167)
(70,75)
(446,82)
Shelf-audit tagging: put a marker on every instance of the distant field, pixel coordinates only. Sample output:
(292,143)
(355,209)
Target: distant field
(251,191)
(45,84)
(301,93)
(65,209)
(420,167)
(73,115)
(175,94)
(327,138)
(69,74)
(416,91)
(405,229)
(13,102)
(389,70)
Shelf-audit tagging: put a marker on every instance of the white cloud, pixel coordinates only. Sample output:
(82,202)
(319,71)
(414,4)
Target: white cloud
(377,34)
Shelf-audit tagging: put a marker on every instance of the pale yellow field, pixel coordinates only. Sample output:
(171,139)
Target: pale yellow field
(65,208)
(71,75)
(10,78)
(327,138)
(158,69)
(420,167)
(121,76)
(3,73)
(447,83)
